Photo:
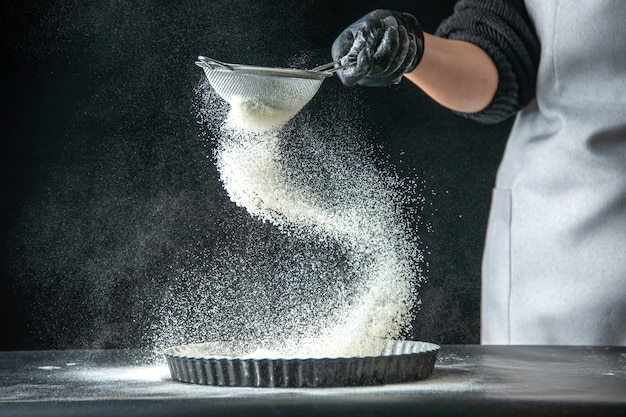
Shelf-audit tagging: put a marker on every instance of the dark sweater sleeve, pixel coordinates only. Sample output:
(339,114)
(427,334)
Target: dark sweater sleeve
(503,29)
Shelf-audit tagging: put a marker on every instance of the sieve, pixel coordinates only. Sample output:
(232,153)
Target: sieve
(285,90)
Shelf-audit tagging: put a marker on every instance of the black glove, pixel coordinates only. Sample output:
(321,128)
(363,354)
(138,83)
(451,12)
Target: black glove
(384,44)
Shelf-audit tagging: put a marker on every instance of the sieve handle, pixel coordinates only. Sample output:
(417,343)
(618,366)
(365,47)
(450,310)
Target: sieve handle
(211,63)
(330,67)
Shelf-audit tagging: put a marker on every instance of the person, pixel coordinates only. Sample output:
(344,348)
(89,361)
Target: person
(554,262)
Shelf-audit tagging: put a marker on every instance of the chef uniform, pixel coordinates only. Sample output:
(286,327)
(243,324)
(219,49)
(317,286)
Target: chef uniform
(554,265)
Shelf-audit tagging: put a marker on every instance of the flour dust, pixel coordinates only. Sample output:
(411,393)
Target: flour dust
(331,265)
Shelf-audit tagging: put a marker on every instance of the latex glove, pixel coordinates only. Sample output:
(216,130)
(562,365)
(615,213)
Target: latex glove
(384,43)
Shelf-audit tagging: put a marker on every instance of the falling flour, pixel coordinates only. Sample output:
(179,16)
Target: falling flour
(354,286)
(257,116)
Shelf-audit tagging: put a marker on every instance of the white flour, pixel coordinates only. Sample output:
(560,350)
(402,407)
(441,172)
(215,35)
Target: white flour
(317,184)
(255,176)
(256,116)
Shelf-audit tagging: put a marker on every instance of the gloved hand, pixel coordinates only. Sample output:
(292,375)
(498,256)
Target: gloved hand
(384,43)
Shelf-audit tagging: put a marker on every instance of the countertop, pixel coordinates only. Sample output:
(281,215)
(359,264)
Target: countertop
(467,380)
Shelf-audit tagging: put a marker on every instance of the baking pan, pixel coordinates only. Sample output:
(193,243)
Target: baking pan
(216,363)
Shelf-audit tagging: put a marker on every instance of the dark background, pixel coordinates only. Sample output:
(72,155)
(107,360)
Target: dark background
(105,177)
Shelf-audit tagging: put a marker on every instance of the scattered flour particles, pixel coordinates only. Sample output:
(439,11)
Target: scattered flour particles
(345,269)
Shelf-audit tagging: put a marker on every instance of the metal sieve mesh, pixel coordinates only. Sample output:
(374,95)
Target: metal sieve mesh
(282,89)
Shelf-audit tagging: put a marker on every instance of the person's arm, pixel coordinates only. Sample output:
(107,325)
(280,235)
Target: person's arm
(457,74)
(504,30)
(482,61)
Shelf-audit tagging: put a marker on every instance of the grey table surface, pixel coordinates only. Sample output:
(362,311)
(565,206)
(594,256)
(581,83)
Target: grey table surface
(467,380)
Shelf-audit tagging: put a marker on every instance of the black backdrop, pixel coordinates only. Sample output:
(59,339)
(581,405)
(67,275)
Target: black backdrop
(105,177)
